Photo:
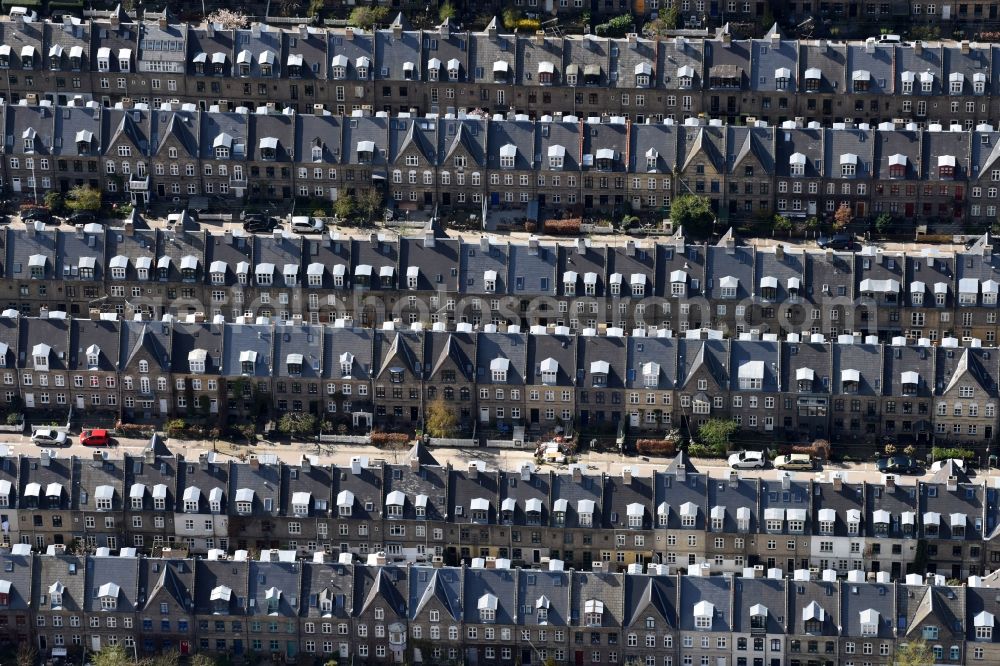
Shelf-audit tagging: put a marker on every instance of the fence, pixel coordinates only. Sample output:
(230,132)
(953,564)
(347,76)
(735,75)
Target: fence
(360,440)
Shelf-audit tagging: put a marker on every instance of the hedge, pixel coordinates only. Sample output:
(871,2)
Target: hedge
(818,449)
(942,453)
(656,447)
(389,438)
(566,227)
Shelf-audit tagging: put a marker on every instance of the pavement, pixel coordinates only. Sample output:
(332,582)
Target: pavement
(508,459)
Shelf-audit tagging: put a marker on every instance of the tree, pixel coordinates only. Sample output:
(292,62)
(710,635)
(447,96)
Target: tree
(26,654)
(111,656)
(170,658)
(344,207)
(842,217)
(716,433)
(228,18)
(510,18)
(367,17)
(84,198)
(915,653)
(441,419)
(783,224)
(446,11)
(297,423)
(370,203)
(202,660)
(54,201)
(883,223)
(692,212)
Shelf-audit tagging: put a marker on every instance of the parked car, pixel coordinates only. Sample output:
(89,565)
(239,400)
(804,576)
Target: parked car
(898,465)
(49,436)
(43,215)
(303,224)
(83,217)
(839,241)
(259,224)
(747,460)
(96,437)
(794,461)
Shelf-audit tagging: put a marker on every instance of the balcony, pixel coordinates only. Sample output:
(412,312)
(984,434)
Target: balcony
(137,183)
(235,181)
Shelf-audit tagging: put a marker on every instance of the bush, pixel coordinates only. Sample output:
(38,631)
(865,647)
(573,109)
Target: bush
(15,418)
(390,438)
(528,25)
(568,227)
(819,449)
(656,447)
(531,226)
(696,450)
(943,453)
(175,427)
(618,26)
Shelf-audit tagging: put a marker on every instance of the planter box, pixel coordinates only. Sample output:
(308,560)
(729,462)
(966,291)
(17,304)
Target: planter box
(346,439)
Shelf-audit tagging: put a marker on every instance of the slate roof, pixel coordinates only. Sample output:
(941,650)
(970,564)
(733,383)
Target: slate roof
(17,570)
(672,493)
(857,598)
(650,596)
(89,475)
(830,59)
(824,594)
(322,131)
(679,52)
(510,346)
(241,338)
(354,341)
(523,486)
(474,263)
(443,348)
(177,245)
(162,471)
(774,496)
(353,44)
(73,37)
(767,57)
(402,349)
(210,574)
(68,570)
(206,475)
(208,40)
(901,359)
(519,133)
(734,54)
(380,587)
(694,356)
(23,245)
(436,262)
(562,348)
(788,270)
(849,498)
(464,488)
(377,253)
(190,337)
(946,144)
(589,488)
(430,588)
(604,587)
(532,51)
(332,254)
(597,349)
(771,593)
(154,338)
(309,44)
(305,340)
(969,364)
(642,351)
(834,270)
(168,581)
(466,135)
(621,494)
(898,500)
(600,137)
(929,59)
(544,589)
(232,249)
(838,143)
(429,481)
(967,499)
(660,138)
(366,487)
(52,332)
(940,606)
(734,495)
(331,581)
(281,251)
(803,141)
(258,39)
(85,334)
(717,590)
(123,572)
(866,359)
(236,125)
(485,50)
(745,145)
(266,581)
(806,355)
(392,51)
(532,271)
(265,126)
(69,121)
(264,481)
(877,61)
(629,55)
(891,144)
(746,352)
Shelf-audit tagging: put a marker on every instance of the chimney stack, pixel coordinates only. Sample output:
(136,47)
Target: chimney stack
(627,476)
(577,474)
(473,470)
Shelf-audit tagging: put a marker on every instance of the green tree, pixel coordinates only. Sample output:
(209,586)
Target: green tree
(54,201)
(344,207)
(842,217)
(84,198)
(446,11)
(716,433)
(441,419)
(367,17)
(914,653)
(111,656)
(692,212)
(883,223)
(510,18)
(297,423)
(783,225)
(370,203)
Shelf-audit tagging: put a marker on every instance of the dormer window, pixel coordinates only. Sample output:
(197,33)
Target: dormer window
(408,69)
(498,370)
(487,606)
(269,148)
(339,67)
(396,375)
(196,360)
(346,364)
(599,373)
(507,155)
(685,77)
(869,622)
(29,139)
(273,598)
(862,81)
(244,501)
(40,355)
(317,153)
(728,286)
(569,283)
(362,65)
(704,612)
(557,157)
(643,75)
(248,359)
(650,374)
(615,284)
(946,167)
(294,363)
(108,594)
(979,83)
(433,69)
(93,357)
(848,165)
(593,613)
(782,78)
(453,68)
(549,369)
(984,621)
(956,82)
(926,83)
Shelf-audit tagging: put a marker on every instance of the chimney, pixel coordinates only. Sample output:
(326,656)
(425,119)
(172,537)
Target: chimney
(305,463)
(373,239)
(114,21)
(473,470)
(380,558)
(540,37)
(163,21)
(484,244)
(581,246)
(965,47)
(46,458)
(43,313)
(627,476)
(918,47)
(356,466)
(890,481)
(149,455)
(786,481)
(444,30)
(630,248)
(129,228)
(437,562)
(727,38)
(775,39)
(838,482)
(349,34)
(228,234)
(779,252)
(532,244)
(952,484)
(254,463)
(681,473)
(526,472)
(95,314)
(734,478)
(577,474)
(397,30)
(428,238)
(203,461)
(633,38)
(414,464)
(491,31)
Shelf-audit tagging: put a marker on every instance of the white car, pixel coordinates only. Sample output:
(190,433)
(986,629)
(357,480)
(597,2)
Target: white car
(303,224)
(49,436)
(747,460)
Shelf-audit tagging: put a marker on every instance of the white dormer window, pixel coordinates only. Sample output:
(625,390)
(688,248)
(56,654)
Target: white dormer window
(907,85)
(926,85)
(137,503)
(93,357)
(848,170)
(593,613)
(221,153)
(869,622)
(487,615)
(979,85)
(556,161)
(243,507)
(586,519)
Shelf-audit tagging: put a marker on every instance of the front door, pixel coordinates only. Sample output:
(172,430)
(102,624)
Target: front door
(79,402)
(95,643)
(414,414)
(15,183)
(484,414)
(534,416)
(29,400)
(185,647)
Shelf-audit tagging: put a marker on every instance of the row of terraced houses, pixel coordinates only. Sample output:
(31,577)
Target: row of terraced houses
(148,325)
(446,69)
(178,153)
(359,560)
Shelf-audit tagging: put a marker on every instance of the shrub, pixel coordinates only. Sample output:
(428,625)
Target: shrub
(14,418)
(656,447)
(818,449)
(527,24)
(531,226)
(566,227)
(175,427)
(943,453)
(389,438)
(696,450)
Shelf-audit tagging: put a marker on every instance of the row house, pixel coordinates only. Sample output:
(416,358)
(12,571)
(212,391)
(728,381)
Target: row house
(445,69)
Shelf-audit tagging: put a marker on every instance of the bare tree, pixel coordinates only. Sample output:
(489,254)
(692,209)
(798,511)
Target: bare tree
(228,18)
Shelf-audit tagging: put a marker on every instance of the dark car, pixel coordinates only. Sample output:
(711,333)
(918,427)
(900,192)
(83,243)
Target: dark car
(83,217)
(37,215)
(898,465)
(259,224)
(836,242)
